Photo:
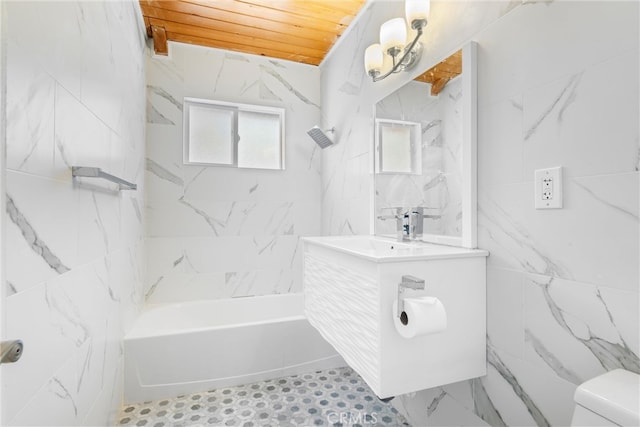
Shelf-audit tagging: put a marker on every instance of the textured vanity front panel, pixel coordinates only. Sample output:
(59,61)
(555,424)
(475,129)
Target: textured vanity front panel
(343,305)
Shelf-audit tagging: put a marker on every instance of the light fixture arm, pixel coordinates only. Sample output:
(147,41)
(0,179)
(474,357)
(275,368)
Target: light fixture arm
(409,51)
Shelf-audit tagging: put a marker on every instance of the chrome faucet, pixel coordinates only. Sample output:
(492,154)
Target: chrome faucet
(403,225)
(416,223)
(409,222)
(408,282)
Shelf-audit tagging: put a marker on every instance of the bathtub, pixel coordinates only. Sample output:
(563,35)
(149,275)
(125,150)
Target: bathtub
(189,347)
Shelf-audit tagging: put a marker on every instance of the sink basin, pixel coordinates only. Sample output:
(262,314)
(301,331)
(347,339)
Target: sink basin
(380,249)
(351,290)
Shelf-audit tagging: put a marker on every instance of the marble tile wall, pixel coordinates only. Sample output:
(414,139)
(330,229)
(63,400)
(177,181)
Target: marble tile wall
(562,285)
(217,232)
(74,260)
(439,186)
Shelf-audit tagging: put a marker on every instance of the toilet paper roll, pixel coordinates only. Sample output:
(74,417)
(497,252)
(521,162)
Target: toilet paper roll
(425,315)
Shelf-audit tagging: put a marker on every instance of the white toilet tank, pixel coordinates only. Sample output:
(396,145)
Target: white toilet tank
(609,399)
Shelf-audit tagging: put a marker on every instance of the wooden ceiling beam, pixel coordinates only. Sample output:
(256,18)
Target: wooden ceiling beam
(438,85)
(147,26)
(237,39)
(431,77)
(159,35)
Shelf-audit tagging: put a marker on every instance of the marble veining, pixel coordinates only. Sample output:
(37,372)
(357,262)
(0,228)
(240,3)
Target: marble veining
(550,359)
(66,316)
(31,237)
(11,288)
(165,95)
(633,215)
(59,389)
(515,240)
(433,406)
(483,406)
(136,209)
(155,116)
(152,288)
(163,173)
(213,223)
(610,355)
(99,223)
(288,85)
(561,102)
(494,360)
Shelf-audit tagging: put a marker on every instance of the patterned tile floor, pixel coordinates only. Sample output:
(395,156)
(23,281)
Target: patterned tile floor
(335,397)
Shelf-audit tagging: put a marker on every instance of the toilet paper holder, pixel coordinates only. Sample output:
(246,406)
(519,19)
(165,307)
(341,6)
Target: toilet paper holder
(408,282)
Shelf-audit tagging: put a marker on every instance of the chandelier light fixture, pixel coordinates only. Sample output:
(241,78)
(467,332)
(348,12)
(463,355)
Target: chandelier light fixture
(393,39)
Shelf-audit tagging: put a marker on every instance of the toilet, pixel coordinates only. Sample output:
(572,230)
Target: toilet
(611,399)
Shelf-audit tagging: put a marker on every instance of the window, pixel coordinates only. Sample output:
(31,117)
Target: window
(230,134)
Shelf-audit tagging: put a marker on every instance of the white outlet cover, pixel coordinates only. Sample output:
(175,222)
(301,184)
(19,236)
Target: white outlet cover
(548,188)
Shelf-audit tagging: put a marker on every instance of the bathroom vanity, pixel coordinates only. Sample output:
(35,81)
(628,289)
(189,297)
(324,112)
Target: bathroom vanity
(409,316)
(351,289)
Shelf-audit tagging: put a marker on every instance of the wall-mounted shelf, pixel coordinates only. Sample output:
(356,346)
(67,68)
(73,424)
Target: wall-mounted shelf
(93,172)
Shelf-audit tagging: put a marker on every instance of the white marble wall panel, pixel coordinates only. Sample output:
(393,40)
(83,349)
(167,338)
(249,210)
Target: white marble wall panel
(75,271)
(530,67)
(571,328)
(30,107)
(216,232)
(573,243)
(559,120)
(505,310)
(500,130)
(562,284)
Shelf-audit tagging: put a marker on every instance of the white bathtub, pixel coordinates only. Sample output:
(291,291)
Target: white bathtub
(195,346)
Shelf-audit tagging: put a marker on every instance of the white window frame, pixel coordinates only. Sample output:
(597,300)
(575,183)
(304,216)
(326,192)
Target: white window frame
(235,108)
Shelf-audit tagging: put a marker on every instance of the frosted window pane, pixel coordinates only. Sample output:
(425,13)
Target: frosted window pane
(396,149)
(259,145)
(210,135)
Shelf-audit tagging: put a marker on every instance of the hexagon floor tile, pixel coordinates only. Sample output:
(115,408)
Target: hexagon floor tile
(334,397)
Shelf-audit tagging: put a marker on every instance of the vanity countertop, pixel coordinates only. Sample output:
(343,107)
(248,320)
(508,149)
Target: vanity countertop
(380,249)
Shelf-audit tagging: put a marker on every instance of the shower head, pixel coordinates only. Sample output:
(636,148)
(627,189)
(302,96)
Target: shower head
(320,137)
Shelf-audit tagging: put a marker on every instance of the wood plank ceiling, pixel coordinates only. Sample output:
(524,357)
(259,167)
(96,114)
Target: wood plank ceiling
(296,30)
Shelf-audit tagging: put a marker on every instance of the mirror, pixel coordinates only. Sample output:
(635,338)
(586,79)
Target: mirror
(425,153)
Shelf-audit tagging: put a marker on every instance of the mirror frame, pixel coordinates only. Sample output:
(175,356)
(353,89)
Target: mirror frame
(469,178)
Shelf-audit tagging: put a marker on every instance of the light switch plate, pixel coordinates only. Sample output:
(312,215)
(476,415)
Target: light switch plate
(548,188)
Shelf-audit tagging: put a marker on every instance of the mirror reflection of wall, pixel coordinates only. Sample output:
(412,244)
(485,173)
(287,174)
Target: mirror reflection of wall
(439,187)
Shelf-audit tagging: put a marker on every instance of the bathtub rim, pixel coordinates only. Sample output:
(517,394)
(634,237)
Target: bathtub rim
(134,334)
